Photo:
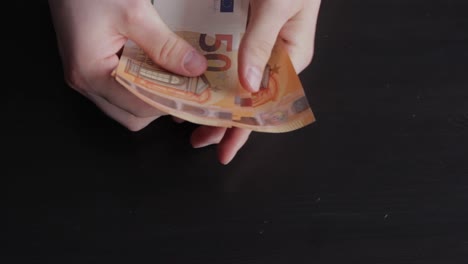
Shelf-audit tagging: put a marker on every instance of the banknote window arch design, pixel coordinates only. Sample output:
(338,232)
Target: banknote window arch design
(196,86)
(151,74)
(161,77)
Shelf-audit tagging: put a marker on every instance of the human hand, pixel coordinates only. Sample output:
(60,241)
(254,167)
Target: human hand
(91,33)
(292,21)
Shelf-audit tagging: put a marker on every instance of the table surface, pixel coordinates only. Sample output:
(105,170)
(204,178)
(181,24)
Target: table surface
(381,177)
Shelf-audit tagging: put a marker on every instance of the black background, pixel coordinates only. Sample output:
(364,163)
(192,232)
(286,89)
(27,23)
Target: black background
(381,177)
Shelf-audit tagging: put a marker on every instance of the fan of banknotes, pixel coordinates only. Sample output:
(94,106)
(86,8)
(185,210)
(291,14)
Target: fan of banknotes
(216,98)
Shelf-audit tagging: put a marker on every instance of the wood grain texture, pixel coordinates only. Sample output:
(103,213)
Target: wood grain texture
(381,177)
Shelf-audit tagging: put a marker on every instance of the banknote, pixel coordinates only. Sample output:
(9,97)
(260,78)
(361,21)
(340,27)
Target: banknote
(216,98)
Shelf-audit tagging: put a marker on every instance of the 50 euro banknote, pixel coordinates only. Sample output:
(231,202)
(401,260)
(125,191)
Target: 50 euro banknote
(216,98)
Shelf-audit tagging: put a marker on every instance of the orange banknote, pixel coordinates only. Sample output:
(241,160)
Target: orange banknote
(217,98)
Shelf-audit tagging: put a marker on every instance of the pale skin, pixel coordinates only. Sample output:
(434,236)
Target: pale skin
(91,33)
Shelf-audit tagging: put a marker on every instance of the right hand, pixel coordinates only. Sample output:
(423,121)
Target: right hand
(91,33)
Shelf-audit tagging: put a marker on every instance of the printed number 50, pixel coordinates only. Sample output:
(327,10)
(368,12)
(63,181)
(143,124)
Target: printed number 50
(215,47)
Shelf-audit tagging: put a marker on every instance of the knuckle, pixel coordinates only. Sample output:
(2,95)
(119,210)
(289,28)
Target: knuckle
(304,62)
(261,49)
(165,52)
(301,63)
(309,58)
(74,78)
(145,111)
(136,126)
(139,117)
(135,12)
(134,123)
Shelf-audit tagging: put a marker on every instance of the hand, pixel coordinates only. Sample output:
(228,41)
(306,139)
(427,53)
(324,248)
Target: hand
(90,34)
(292,21)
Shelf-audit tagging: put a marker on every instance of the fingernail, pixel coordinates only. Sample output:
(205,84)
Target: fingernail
(227,161)
(254,77)
(194,63)
(178,120)
(199,145)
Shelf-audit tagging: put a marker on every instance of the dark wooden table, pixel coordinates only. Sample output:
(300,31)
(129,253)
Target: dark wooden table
(381,177)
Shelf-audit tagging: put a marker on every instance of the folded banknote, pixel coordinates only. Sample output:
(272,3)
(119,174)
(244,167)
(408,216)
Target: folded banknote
(216,98)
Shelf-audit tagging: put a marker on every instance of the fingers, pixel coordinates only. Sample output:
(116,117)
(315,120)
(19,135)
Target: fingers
(105,86)
(232,142)
(164,47)
(262,32)
(116,101)
(117,95)
(178,120)
(299,35)
(131,122)
(205,136)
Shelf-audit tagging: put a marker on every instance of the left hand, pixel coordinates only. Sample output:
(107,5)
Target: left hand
(294,22)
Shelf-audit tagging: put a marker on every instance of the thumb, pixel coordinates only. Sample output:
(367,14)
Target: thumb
(258,42)
(163,46)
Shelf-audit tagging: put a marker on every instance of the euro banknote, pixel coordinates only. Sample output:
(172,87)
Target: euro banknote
(216,98)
